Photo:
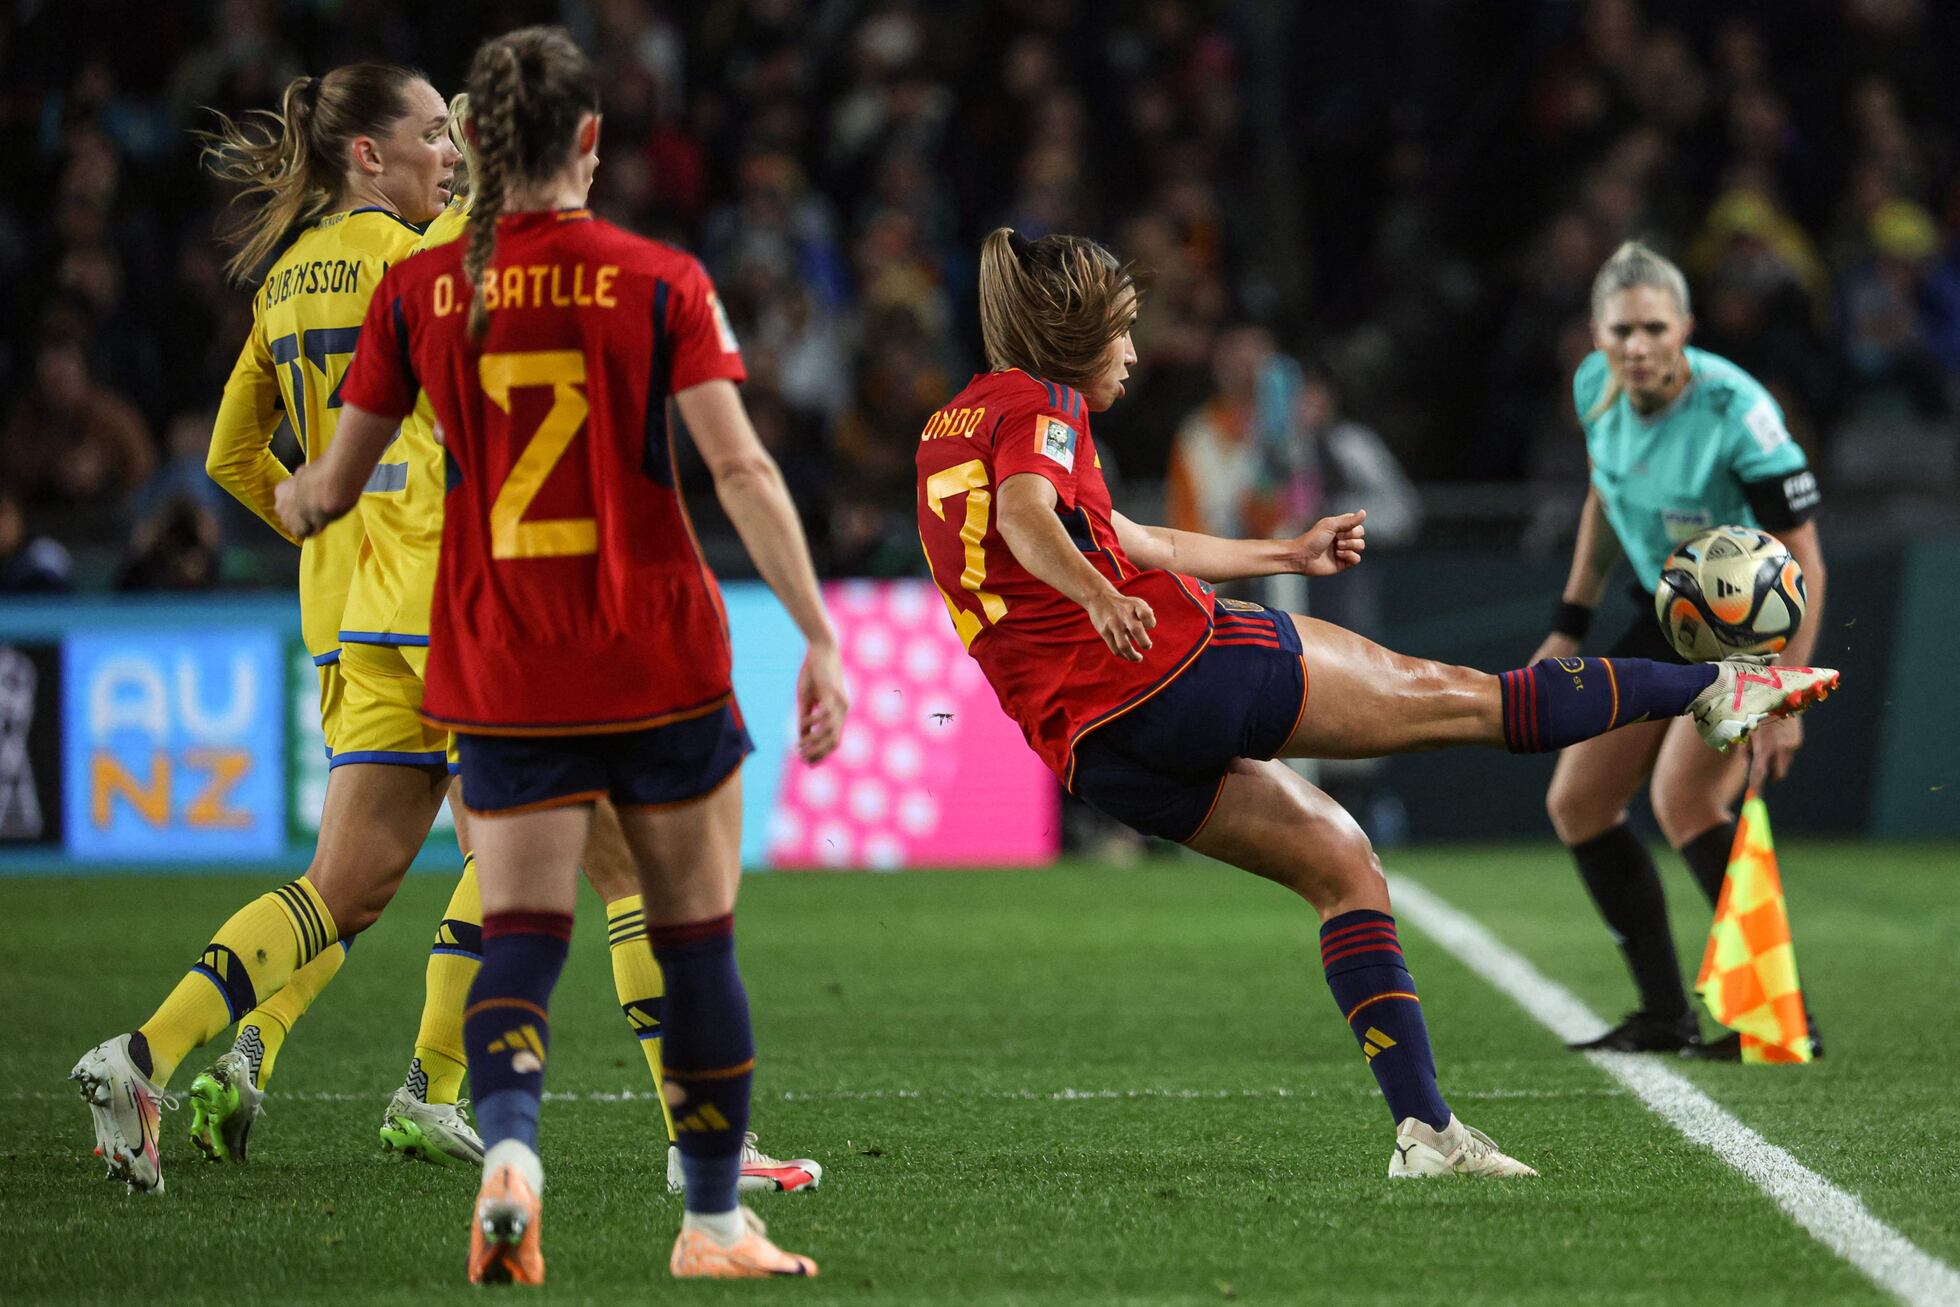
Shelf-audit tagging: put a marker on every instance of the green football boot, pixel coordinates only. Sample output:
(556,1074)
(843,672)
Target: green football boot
(224,1107)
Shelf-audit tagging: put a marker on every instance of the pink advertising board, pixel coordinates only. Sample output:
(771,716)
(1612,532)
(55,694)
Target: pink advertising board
(931,772)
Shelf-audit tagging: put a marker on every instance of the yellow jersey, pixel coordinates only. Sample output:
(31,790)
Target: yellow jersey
(395,575)
(305,320)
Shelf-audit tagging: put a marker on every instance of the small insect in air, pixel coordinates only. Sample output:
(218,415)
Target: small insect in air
(941,718)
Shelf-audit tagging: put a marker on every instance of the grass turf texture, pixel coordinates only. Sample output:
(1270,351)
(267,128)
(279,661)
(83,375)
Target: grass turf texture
(918,1034)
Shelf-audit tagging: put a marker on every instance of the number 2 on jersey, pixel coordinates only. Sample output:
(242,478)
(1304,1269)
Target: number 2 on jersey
(969,479)
(511,535)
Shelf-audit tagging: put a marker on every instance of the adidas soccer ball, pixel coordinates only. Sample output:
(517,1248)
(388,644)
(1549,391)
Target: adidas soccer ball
(1732,590)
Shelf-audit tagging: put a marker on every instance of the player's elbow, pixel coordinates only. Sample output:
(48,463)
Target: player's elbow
(744,473)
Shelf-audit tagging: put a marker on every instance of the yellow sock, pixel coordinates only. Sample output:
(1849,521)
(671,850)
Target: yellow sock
(254,953)
(436,1074)
(642,989)
(263,1031)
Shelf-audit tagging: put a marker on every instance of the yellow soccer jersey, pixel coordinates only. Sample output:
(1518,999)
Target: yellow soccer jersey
(305,320)
(395,578)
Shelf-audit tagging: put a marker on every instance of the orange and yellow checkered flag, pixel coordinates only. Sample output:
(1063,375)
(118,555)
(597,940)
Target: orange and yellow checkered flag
(1749,973)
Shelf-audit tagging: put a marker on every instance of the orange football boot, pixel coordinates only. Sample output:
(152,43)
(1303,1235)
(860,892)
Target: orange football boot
(504,1231)
(698,1256)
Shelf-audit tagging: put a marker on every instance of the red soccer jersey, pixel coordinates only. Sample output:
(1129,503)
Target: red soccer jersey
(1040,652)
(570,596)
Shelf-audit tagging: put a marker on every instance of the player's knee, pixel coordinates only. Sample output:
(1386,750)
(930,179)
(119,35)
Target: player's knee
(1334,862)
(355,901)
(1578,814)
(1683,814)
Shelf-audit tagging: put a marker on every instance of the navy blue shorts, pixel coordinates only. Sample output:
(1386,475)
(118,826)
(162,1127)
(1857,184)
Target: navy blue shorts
(662,765)
(1160,766)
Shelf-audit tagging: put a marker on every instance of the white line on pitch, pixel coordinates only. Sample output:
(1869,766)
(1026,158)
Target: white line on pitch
(1838,1220)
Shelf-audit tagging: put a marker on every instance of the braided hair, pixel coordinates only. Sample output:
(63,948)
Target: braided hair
(528,91)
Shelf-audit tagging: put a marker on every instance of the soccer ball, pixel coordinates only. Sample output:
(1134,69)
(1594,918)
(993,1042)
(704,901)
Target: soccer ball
(1731,590)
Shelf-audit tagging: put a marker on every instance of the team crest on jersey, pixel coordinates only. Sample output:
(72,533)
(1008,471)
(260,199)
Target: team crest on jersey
(1057,441)
(722,327)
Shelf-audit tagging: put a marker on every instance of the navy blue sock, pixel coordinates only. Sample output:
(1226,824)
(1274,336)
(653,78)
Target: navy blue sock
(709,1056)
(1560,701)
(1377,995)
(507,1026)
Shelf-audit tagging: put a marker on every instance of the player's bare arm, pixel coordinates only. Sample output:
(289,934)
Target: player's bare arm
(1329,546)
(1593,556)
(320,493)
(750,487)
(1040,543)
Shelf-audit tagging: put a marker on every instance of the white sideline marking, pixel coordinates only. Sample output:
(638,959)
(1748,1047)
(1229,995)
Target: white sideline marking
(901,1095)
(1838,1220)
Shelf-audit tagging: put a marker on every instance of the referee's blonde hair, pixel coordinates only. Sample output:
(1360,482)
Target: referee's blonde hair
(1633,264)
(291,163)
(1051,306)
(1638,264)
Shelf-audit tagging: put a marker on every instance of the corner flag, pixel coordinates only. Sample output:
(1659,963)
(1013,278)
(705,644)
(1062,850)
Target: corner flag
(1749,973)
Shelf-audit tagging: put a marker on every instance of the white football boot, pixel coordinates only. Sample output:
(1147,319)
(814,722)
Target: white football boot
(127,1110)
(1749,690)
(760,1172)
(1454,1150)
(432,1132)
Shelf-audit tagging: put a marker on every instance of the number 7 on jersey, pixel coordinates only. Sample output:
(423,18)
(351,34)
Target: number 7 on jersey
(969,479)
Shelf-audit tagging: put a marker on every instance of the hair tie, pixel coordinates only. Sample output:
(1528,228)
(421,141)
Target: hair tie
(1023,247)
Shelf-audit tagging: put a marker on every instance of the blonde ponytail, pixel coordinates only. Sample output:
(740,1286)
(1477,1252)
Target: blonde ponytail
(291,164)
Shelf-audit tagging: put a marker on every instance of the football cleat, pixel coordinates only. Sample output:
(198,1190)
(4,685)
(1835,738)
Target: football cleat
(430,1132)
(224,1107)
(504,1244)
(760,1172)
(1456,1149)
(126,1109)
(698,1255)
(1748,690)
(1642,1032)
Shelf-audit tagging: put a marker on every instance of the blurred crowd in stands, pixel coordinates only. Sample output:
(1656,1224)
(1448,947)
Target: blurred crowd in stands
(1369,232)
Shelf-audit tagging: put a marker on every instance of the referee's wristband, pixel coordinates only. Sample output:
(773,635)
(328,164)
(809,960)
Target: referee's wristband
(1571,619)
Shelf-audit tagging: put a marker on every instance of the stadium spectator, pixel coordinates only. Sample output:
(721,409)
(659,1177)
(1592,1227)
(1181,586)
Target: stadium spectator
(70,439)
(29,563)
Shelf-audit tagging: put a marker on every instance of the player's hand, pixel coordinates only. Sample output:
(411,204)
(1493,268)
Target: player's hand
(1124,622)
(1772,748)
(288,500)
(821,703)
(1331,545)
(1555,646)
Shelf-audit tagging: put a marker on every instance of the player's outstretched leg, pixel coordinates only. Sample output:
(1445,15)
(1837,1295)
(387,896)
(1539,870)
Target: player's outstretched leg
(426,1118)
(1271,822)
(1366,701)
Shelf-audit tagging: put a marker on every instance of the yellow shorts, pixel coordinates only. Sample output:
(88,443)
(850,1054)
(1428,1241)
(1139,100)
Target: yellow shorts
(375,716)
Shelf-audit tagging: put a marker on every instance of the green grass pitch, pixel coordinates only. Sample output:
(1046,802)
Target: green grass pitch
(1085,1084)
